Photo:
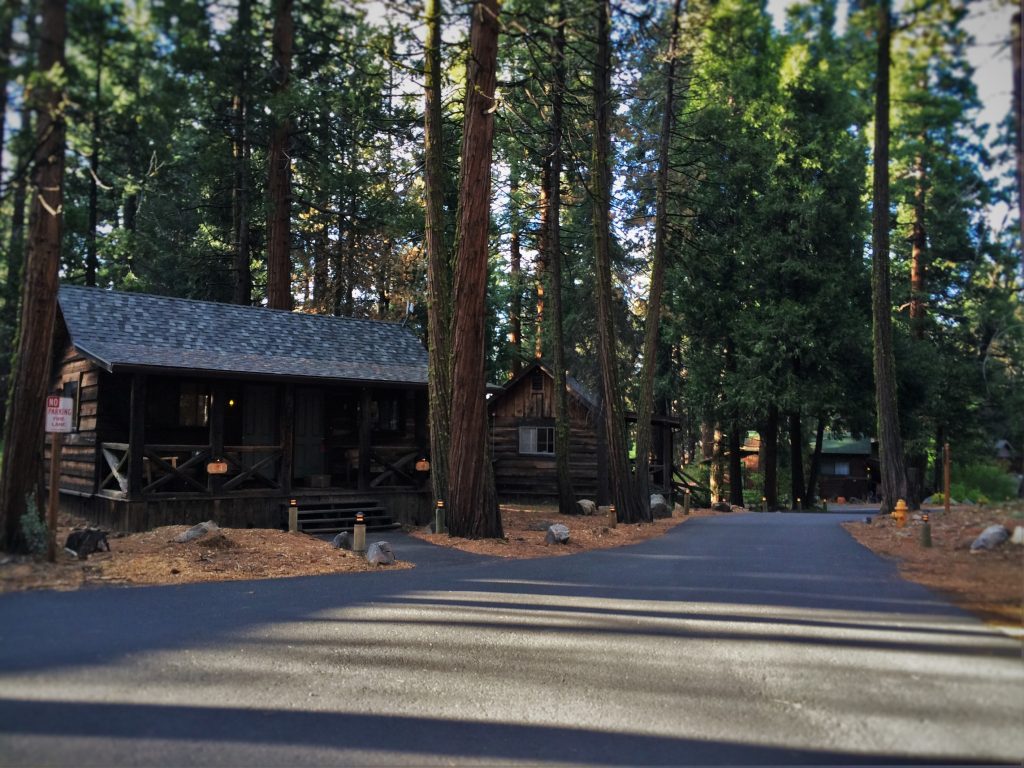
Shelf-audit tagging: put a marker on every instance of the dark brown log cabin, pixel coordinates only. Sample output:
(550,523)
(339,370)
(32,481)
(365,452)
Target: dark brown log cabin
(326,413)
(522,434)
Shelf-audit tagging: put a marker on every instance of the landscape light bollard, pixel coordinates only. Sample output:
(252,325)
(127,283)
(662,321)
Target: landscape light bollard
(439,522)
(613,519)
(293,516)
(359,534)
(926,532)
(764,503)
(686,502)
(799,505)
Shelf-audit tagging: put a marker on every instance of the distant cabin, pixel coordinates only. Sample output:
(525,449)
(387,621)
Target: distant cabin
(522,417)
(189,410)
(849,468)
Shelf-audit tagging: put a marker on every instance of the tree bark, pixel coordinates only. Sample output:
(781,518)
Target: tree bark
(1017,49)
(770,454)
(735,464)
(553,259)
(652,328)
(241,155)
(439,267)
(30,377)
(515,275)
(279,293)
(890,443)
(469,514)
(627,503)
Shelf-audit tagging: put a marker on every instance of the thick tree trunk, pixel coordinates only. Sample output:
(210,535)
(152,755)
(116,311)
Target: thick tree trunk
(717,481)
(796,460)
(469,513)
(652,328)
(890,442)
(553,259)
(439,267)
(241,155)
(627,502)
(279,261)
(30,377)
(770,458)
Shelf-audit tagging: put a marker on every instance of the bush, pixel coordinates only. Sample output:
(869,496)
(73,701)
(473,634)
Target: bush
(982,480)
(33,528)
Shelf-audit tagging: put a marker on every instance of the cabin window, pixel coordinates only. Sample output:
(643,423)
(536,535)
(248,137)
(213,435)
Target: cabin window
(537,440)
(193,405)
(836,468)
(537,382)
(386,413)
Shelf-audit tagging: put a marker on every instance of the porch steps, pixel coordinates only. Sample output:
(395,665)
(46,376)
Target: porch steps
(336,516)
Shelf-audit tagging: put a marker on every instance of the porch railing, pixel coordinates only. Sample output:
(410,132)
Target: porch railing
(169,469)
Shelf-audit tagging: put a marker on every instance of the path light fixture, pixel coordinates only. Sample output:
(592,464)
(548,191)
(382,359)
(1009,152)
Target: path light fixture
(440,524)
(926,531)
(359,534)
(613,518)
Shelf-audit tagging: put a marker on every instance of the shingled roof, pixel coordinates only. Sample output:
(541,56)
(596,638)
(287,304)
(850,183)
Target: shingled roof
(133,331)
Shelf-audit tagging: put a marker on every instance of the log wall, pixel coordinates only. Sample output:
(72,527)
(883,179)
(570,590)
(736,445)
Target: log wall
(79,455)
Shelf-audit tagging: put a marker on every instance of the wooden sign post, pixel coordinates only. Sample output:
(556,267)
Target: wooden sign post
(59,418)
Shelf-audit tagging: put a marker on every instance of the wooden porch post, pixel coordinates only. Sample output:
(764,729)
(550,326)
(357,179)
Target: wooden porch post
(218,397)
(136,435)
(287,412)
(365,433)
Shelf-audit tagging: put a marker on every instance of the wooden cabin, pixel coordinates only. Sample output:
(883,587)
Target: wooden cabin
(522,418)
(190,410)
(849,468)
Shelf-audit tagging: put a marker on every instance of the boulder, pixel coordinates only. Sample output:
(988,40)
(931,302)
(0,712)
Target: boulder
(1018,535)
(721,506)
(990,538)
(380,553)
(557,534)
(197,532)
(587,507)
(659,507)
(342,541)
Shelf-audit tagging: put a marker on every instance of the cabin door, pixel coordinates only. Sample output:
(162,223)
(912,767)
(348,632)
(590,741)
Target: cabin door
(309,432)
(259,425)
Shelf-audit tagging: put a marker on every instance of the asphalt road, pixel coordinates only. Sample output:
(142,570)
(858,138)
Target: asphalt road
(737,639)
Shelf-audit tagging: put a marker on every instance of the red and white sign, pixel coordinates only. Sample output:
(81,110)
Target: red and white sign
(60,414)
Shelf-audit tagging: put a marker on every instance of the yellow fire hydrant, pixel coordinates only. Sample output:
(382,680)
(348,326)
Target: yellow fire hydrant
(900,513)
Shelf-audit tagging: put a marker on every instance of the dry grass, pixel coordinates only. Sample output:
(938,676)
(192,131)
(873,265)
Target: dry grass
(526,526)
(154,558)
(989,583)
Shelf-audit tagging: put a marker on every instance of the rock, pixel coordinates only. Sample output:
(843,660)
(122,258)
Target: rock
(342,541)
(990,538)
(197,532)
(737,509)
(380,553)
(867,521)
(721,506)
(659,507)
(83,542)
(587,507)
(1018,535)
(557,534)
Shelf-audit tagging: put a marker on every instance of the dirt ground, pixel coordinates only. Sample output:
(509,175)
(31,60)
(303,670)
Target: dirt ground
(155,558)
(526,527)
(988,583)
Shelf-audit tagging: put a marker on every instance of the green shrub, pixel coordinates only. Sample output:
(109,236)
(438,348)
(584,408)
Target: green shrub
(982,480)
(33,528)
